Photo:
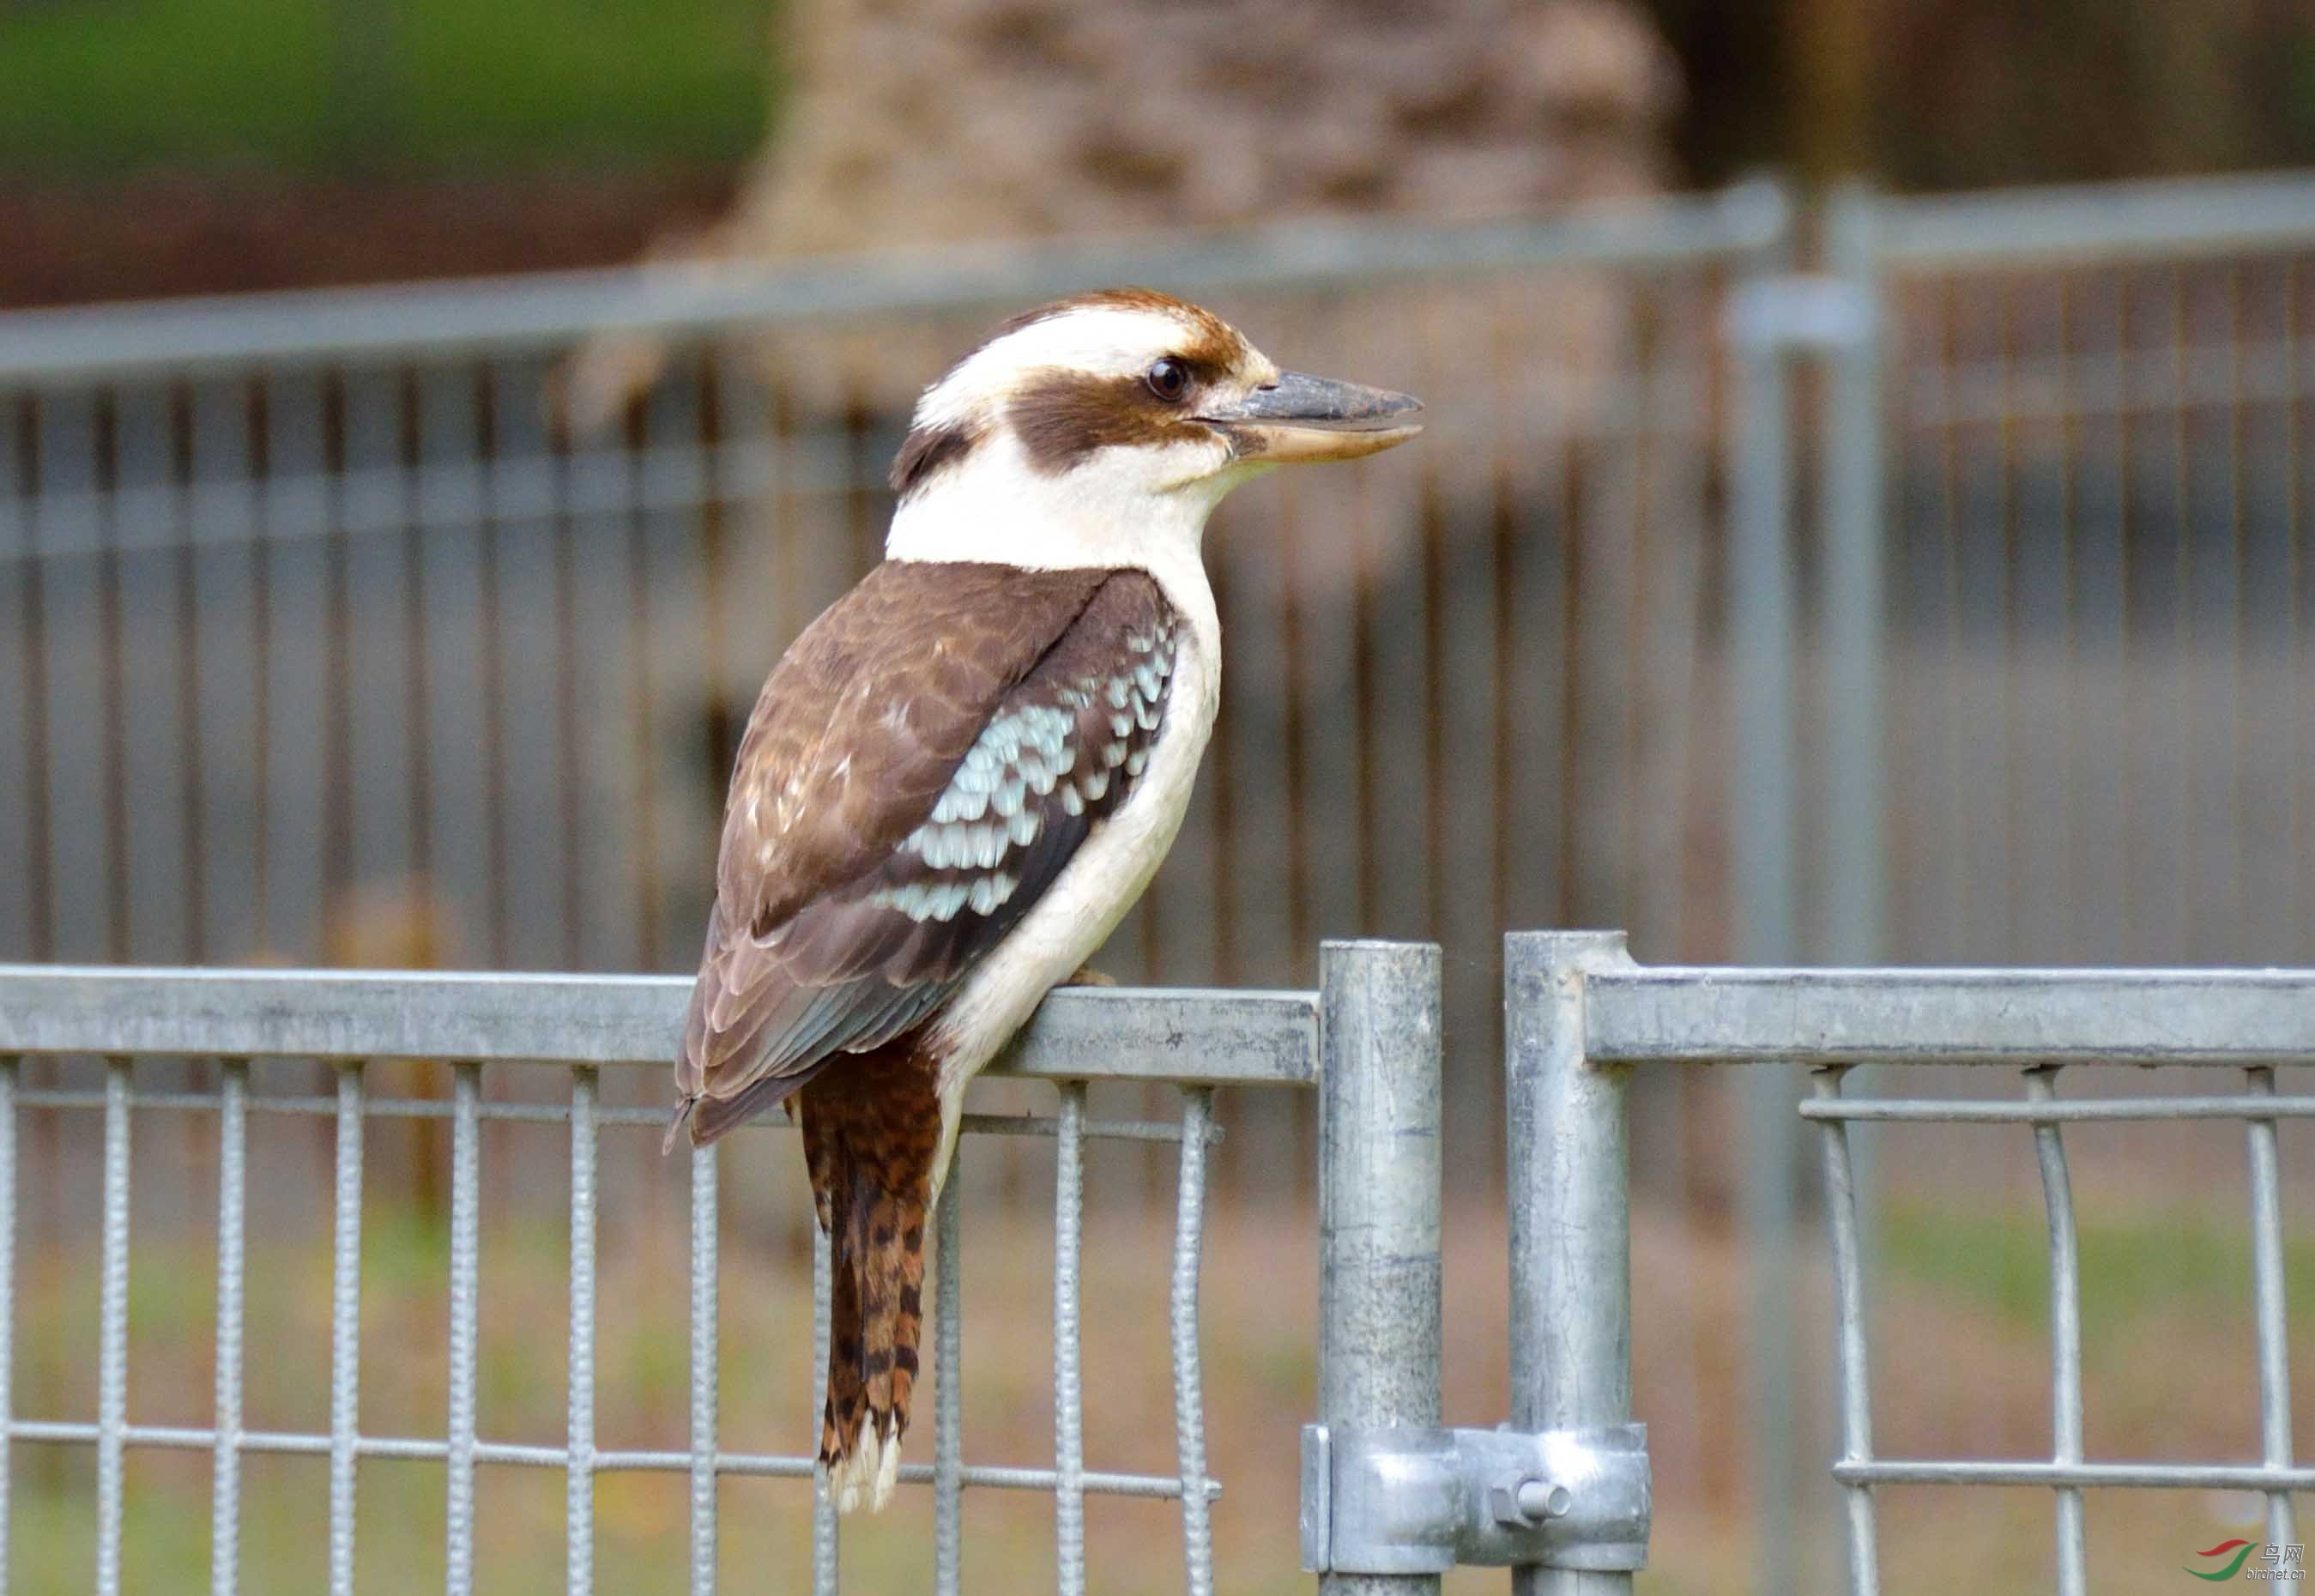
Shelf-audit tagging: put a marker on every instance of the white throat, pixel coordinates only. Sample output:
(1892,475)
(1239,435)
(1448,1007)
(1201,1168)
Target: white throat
(993,505)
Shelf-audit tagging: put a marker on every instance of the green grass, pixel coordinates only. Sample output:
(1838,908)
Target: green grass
(2171,1263)
(97,87)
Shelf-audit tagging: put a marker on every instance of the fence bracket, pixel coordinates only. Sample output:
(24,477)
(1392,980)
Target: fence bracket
(1401,1499)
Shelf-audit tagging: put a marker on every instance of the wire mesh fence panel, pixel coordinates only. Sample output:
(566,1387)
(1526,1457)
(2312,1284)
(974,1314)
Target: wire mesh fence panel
(2058,1028)
(107,1035)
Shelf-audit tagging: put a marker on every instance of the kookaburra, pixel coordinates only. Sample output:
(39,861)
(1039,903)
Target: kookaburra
(964,772)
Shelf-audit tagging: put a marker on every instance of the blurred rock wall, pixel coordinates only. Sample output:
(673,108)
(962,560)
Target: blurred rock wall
(932,120)
(925,122)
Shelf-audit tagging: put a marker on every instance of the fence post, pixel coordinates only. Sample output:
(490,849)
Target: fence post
(1379,1198)
(1571,1307)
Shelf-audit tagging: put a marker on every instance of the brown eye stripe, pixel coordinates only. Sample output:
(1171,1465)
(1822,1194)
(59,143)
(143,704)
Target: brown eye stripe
(1064,416)
(1204,365)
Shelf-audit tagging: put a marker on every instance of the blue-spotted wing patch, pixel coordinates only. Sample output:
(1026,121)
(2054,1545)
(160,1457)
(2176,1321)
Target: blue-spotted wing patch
(1043,768)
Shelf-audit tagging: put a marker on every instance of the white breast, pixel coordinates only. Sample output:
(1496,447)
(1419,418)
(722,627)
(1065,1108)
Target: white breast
(1107,873)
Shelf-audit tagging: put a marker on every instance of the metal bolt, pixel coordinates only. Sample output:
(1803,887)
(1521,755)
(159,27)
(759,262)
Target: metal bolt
(1540,1498)
(1529,1501)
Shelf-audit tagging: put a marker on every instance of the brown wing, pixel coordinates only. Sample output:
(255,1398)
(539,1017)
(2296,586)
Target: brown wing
(920,766)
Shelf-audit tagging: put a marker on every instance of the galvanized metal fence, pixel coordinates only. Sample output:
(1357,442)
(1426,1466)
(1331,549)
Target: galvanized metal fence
(475,1028)
(1561,1493)
(1391,1501)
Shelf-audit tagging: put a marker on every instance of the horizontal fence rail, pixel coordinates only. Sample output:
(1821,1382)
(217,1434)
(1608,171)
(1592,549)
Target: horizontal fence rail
(2049,1026)
(244,332)
(1669,1015)
(466,1026)
(2153,219)
(1111,1034)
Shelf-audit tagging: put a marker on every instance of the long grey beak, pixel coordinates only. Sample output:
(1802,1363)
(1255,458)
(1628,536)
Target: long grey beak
(1301,417)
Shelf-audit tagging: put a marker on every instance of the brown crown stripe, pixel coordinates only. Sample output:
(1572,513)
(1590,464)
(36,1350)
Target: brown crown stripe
(1209,336)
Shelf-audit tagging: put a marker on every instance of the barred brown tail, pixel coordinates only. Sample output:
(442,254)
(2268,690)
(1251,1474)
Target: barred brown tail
(870,1132)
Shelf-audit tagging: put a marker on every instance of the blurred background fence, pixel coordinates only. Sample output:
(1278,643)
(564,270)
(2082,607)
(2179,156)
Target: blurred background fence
(2095,428)
(330,641)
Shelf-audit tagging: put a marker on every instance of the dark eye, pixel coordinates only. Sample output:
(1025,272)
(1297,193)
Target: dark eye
(1169,379)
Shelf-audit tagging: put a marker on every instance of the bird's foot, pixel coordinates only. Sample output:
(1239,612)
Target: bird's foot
(1086,975)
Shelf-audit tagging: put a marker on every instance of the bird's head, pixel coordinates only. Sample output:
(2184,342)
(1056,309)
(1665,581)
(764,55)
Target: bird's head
(1120,415)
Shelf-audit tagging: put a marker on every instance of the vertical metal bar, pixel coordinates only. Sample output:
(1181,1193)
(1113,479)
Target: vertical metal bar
(1841,1212)
(232,1188)
(113,1329)
(2065,1333)
(113,688)
(1068,1387)
(567,741)
(1762,618)
(579,1494)
(1854,544)
(8,1070)
(643,822)
(2183,718)
(824,1545)
(2299,834)
(2070,804)
(345,1330)
(490,534)
(23,781)
(2003,748)
(2237,798)
(293,544)
(2271,1303)
(2124,535)
(466,1252)
(1189,1384)
(948,1385)
(1378,1200)
(1960,790)
(704,1371)
(1571,1327)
